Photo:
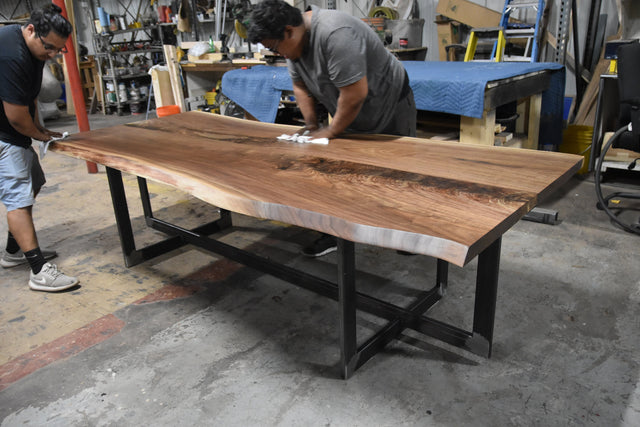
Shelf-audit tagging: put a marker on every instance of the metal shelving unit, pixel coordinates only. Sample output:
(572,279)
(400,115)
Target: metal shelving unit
(123,57)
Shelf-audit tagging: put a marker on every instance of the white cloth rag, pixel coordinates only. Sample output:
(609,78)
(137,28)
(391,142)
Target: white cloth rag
(304,139)
(44,146)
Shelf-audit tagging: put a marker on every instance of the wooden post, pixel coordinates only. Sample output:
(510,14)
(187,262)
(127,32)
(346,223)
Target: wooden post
(76,85)
(162,88)
(174,73)
(478,131)
(533,118)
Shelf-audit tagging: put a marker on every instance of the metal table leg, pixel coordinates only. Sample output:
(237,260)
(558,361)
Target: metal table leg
(133,256)
(347,301)
(478,341)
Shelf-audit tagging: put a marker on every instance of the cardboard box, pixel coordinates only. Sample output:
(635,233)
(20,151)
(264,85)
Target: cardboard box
(448,33)
(206,58)
(469,13)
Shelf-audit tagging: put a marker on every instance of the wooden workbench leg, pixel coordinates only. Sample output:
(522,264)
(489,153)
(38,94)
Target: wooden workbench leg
(533,128)
(478,131)
(347,302)
(528,122)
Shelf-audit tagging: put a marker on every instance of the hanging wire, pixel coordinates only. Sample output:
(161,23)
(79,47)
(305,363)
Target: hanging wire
(604,203)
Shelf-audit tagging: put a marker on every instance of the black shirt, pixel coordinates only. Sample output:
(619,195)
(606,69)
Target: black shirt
(20,80)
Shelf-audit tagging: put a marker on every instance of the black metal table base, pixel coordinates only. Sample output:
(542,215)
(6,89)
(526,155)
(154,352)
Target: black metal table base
(477,341)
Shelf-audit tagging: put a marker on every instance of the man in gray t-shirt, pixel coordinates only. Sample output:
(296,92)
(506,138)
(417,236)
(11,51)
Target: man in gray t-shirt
(337,60)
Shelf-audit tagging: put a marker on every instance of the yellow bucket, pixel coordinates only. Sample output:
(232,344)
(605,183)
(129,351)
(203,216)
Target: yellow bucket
(576,139)
(210,97)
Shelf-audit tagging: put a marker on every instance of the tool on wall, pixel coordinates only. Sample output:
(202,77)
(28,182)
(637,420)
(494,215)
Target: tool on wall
(241,12)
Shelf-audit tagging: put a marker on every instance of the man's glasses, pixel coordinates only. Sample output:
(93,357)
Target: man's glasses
(52,48)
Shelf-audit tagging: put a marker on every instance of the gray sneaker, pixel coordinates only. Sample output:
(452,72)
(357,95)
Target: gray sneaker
(12,260)
(51,280)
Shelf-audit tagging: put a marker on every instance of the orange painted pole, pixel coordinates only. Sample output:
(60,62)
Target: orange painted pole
(76,85)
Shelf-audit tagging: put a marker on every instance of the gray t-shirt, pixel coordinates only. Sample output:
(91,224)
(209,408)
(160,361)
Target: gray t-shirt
(342,50)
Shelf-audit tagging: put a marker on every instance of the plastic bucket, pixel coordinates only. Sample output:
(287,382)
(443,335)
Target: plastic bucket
(577,140)
(167,110)
(210,97)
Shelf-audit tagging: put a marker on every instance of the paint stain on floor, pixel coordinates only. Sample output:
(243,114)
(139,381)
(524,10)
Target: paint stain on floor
(61,348)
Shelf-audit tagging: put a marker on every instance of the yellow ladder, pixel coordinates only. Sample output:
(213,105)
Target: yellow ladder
(491,34)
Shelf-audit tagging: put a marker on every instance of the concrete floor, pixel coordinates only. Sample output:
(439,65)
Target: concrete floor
(193,339)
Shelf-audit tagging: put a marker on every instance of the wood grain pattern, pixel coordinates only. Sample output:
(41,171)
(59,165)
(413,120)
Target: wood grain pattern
(435,198)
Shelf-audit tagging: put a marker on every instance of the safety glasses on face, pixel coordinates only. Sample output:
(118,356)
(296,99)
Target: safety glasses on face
(52,48)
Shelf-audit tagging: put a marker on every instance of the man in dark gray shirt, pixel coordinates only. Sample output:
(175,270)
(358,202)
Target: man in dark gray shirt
(337,60)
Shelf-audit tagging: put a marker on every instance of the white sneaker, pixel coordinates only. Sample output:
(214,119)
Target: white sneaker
(51,280)
(12,260)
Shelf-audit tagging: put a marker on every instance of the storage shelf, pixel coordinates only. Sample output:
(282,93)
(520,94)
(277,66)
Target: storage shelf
(128,30)
(126,76)
(127,102)
(131,52)
(113,61)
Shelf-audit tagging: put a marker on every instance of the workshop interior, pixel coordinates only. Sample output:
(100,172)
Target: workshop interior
(203,332)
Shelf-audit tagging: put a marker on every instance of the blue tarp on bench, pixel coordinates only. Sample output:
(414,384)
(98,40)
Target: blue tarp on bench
(447,87)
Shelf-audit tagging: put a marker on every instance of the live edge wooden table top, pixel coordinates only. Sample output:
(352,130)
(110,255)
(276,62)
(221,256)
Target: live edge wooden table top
(449,201)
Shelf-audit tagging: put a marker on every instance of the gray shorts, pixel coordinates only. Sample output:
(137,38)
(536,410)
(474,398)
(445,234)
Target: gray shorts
(21,176)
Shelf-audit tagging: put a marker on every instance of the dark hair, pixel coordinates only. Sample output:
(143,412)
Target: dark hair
(47,19)
(268,19)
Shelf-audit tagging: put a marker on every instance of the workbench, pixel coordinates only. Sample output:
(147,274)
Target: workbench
(472,90)
(201,77)
(422,196)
